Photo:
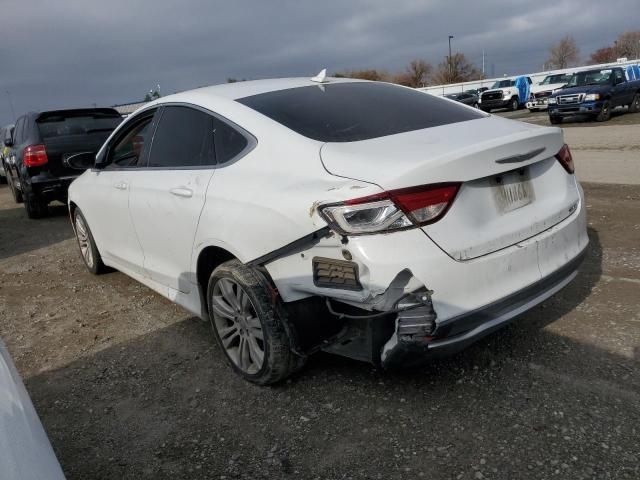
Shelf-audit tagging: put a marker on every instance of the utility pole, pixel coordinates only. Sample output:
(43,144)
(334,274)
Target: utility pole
(483,63)
(450,69)
(11,105)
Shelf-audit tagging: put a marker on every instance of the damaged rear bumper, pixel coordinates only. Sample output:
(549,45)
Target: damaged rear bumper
(456,334)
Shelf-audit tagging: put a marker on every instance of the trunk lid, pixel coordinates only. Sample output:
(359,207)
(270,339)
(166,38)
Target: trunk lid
(512,186)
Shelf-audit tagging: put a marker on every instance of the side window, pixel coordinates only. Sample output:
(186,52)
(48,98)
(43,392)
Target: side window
(128,149)
(17,136)
(619,76)
(228,141)
(184,138)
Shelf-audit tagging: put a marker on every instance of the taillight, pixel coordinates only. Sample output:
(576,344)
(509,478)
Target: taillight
(34,156)
(566,159)
(392,210)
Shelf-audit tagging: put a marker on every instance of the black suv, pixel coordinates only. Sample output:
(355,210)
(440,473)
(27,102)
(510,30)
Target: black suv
(41,145)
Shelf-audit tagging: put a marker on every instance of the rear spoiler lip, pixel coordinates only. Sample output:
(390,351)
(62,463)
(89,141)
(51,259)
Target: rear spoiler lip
(78,111)
(522,157)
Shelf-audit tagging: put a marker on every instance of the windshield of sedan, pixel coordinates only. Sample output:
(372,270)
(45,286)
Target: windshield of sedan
(353,111)
(551,79)
(591,77)
(503,84)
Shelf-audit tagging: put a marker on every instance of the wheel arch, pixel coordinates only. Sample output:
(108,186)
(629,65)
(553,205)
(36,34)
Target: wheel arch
(209,258)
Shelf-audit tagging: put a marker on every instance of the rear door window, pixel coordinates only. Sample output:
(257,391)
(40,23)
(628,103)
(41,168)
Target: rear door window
(17,137)
(229,143)
(184,138)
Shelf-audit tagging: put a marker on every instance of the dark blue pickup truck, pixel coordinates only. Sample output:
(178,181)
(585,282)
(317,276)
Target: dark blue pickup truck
(594,93)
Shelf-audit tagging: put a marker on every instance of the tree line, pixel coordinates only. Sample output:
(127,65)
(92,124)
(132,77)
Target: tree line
(563,54)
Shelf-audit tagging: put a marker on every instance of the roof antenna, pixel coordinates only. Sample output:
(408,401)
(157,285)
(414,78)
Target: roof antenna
(321,77)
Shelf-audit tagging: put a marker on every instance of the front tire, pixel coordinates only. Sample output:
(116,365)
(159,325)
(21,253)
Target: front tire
(514,105)
(605,112)
(634,106)
(247,326)
(36,207)
(555,120)
(88,250)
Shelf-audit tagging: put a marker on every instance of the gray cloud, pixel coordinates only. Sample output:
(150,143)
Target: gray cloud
(76,53)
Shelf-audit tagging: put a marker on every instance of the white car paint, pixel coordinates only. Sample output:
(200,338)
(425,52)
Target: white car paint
(25,451)
(474,256)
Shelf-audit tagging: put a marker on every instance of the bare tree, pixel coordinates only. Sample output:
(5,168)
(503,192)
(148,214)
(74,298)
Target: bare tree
(367,74)
(415,75)
(628,45)
(563,54)
(461,70)
(603,55)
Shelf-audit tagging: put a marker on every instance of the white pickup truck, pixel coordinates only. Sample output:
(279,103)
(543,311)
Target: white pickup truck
(540,93)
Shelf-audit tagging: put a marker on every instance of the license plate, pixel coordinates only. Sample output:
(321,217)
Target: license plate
(513,190)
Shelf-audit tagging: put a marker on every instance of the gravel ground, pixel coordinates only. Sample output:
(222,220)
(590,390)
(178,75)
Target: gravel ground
(129,385)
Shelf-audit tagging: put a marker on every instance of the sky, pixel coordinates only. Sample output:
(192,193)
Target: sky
(76,53)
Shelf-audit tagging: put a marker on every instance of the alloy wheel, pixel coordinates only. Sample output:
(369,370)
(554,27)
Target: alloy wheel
(82,233)
(238,326)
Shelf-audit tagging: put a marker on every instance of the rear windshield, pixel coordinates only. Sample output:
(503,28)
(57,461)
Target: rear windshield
(63,125)
(348,112)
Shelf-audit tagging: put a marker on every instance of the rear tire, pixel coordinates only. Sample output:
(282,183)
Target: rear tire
(475,105)
(605,112)
(555,120)
(36,207)
(634,106)
(88,250)
(247,325)
(514,105)
(533,110)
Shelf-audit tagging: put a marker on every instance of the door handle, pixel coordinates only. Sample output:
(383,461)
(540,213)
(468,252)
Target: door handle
(181,192)
(120,185)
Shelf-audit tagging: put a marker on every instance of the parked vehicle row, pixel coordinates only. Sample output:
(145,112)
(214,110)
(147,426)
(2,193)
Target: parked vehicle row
(37,150)
(360,218)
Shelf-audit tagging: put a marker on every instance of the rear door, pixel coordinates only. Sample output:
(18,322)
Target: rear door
(166,201)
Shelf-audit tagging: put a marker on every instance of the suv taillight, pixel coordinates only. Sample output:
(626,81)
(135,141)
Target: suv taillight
(566,159)
(34,156)
(392,210)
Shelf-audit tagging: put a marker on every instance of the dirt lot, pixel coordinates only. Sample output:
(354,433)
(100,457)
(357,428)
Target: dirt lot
(129,385)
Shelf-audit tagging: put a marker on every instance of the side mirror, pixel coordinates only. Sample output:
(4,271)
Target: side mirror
(80,161)
(8,142)
(618,81)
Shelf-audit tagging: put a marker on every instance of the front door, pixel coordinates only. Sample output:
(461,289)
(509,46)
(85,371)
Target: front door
(166,202)
(113,228)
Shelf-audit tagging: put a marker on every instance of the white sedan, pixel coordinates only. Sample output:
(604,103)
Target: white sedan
(361,218)
(25,451)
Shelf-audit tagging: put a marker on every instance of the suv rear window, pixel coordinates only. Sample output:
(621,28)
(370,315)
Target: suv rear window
(348,112)
(59,125)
